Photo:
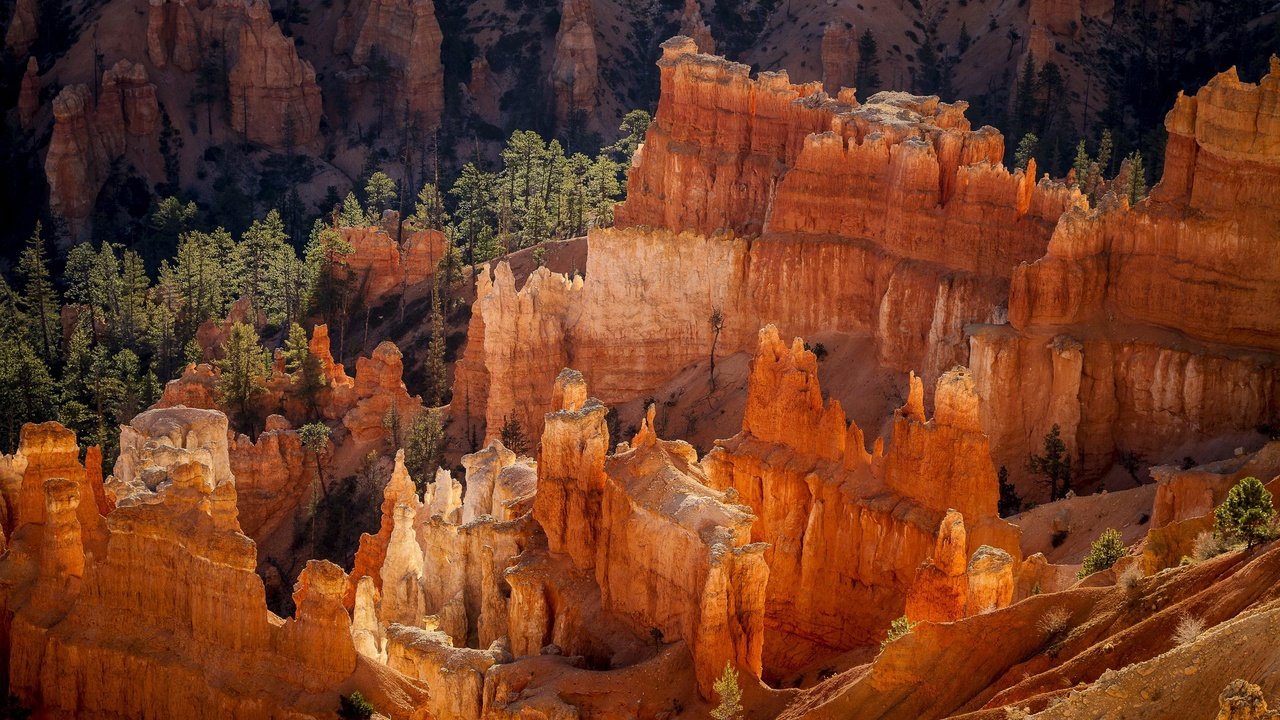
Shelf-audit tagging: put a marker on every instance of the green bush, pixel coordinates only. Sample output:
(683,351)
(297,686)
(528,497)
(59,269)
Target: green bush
(354,707)
(1104,552)
(898,628)
(1247,514)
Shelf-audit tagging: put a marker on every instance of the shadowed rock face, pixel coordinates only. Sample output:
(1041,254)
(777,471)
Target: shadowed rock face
(274,96)
(406,34)
(574,70)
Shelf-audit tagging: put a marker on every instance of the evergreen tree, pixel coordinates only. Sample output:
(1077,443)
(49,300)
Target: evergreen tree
(512,435)
(170,218)
(430,213)
(27,390)
(1024,100)
(263,260)
(329,276)
(244,365)
(1247,515)
(437,378)
(1010,503)
(474,218)
(1054,465)
(1026,150)
(200,278)
(352,215)
(726,687)
(867,73)
(380,194)
(425,447)
(1136,187)
(315,440)
(40,300)
(306,370)
(1105,552)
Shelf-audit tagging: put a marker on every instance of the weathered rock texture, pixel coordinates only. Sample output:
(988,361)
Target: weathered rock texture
(274,96)
(848,529)
(172,597)
(22,31)
(839,56)
(575,67)
(407,34)
(694,27)
(47,451)
(89,136)
(172,35)
(868,189)
(381,266)
(1145,328)
(29,94)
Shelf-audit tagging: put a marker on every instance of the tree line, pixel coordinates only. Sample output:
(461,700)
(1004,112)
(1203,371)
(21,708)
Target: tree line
(91,347)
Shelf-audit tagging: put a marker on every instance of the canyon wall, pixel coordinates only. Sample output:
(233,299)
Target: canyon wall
(382,266)
(190,634)
(849,530)
(274,96)
(575,68)
(1149,328)
(406,34)
(89,135)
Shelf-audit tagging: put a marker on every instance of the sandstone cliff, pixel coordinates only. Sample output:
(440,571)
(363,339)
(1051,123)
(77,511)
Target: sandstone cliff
(80,623)
(274,96)
(1146,328)
(29,94)
(406,33)
(382,266)
(88,136)
(22,32)
(574,71)
(847,528)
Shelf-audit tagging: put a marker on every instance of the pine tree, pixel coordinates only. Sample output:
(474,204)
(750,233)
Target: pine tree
(40,300)
(474,218)
(306,371)
(201,279)
(1247,515)
(244,368)
(1026,150)
(430,213)
(867,73)
(262,259)
(1136,188)
(437,378)
(726,687)
(1024,99)
(425,447)
(1010,503)
(1054,465)
(380,194)
(27,390)
(1081,166)
(352,215)
(169,220)
(1105,552)
(512,435)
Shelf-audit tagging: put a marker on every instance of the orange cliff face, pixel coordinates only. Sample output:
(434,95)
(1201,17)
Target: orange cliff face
(848,530)
(80,622)
(408,34)
(89,136)
(273,92)
(1146,328)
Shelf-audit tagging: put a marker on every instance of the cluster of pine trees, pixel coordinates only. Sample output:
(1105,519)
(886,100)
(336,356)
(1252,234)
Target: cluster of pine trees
(91,347)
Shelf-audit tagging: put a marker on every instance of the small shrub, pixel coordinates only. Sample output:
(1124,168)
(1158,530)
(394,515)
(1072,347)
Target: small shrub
(1055,621)
(1130,577)
(1208,545)
(1104,553)
(1188,629)
(354,707)
(898,628)
(1059,537)
(540,256)
(820,351)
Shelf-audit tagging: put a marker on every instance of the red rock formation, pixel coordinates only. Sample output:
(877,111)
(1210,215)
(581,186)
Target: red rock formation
(1059,17)
(167,554)
(22,31)
(273,92)
(839,55)
(172,35)
(484,91)
(88,137)
(407,34)
(381,266)
(1244,701)
(574,71)
(29,94)
(847,529)
(694,27)
(1148,324)
(47,451)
